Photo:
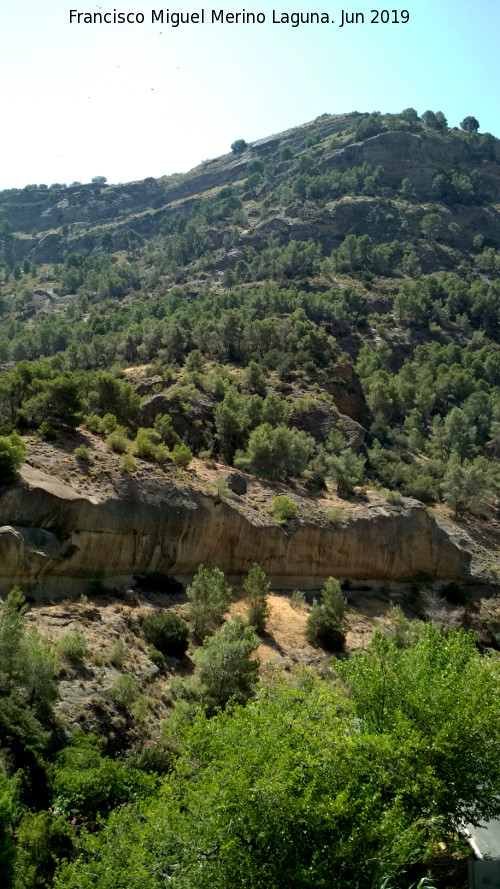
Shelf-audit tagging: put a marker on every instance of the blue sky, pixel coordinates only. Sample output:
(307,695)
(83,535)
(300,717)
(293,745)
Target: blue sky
(135,100)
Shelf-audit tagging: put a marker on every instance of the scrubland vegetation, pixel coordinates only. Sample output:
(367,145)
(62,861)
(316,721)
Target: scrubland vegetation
(319,324)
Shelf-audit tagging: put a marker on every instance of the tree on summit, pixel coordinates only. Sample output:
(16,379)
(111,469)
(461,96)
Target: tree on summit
(238,146)
(470,124)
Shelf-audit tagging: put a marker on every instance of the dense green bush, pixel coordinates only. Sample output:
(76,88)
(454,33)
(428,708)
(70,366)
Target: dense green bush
(12,455)
(44,839)
(117,440)
(257,590)
(83,453)
(87,783)
(166,631)
(72,647)
(375,756)
(182,455)
(226,670)
(209,597)
(284,508)
(125,691)
(325,624)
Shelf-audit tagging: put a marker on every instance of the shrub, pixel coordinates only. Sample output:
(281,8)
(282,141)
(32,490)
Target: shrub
(12,454)
(209,597)
(140,708)
(157,658)
(118,441)
(238,146)
(127,464)
(221,487)
(163,454)
(44,839)
(182,455)
(297,599)
(145,444)
(72,647)
(93,422)
(117,655)
(347,470)
(284,508)
(166,632)
(394,498)
(163,425)
(83,453)
(109,423)
(257,589)
(335,515)
(225,668)
(124,691)
(276,452)
(9,807)
(46,432)
(87,783)
(325,623)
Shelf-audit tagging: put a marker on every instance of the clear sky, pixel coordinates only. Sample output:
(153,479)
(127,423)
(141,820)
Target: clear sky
(128,101)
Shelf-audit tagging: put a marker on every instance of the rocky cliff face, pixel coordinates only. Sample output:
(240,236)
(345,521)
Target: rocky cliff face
(55,542)
(74,219)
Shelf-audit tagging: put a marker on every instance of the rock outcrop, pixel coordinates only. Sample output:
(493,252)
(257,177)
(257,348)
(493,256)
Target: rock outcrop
(55,542)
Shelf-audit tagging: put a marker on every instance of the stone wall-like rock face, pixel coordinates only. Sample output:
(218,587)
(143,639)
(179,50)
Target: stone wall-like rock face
(54,542)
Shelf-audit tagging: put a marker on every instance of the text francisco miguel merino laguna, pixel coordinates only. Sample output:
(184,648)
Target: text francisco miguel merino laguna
(204,16)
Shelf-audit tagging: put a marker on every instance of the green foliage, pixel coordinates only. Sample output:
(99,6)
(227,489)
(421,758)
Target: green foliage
(87,784)
(157,658)
(440,692)
(347,470)
(166,632)
(257,589)
(456,188)
(124,691)
(117,397)
(46,432)
(226,670)
(209,597)
(394,498)
(431,226)
(297,600)
(163,425)
(221,487)
(44,839)
(146,443)
(275,453)
(109,423)
(9,801)
(470,124)
(407,190)
(117,653)
(238,146)
(306,782)
(82,453)
(325,624)
(127,464)
(255,378)
(12,455)
(182,455)
(467,486)
(117,441)
(28,689)
(336,515)
(283,508)
(72,647)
